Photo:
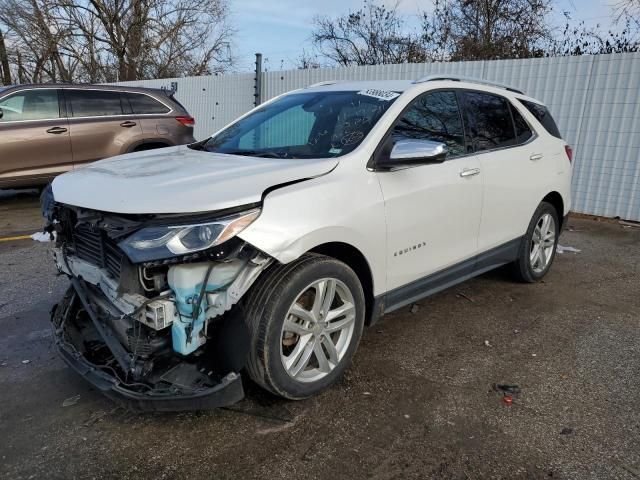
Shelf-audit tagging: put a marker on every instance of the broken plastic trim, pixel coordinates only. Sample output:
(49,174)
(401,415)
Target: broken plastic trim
(228,390)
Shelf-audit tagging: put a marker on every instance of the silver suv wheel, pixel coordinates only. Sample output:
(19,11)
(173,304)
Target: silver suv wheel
(543,241)
(317,330)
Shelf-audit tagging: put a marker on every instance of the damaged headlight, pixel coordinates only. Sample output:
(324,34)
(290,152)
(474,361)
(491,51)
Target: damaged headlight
(157,243)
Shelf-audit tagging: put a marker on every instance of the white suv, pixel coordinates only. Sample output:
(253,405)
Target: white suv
(267,247)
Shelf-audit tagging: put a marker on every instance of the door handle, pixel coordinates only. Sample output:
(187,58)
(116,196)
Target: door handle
(469,172)
(56,130)
(536,156)
(128,124)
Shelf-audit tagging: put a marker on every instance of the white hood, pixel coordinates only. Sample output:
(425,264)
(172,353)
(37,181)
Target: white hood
(179,180)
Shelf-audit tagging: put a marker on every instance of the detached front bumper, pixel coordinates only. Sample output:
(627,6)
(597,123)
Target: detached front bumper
(173,397)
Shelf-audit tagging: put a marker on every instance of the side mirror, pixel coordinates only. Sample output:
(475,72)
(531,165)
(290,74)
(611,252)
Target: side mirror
(1,113)
(410,152)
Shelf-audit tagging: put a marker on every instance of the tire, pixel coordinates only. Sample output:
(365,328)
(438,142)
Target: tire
(530,267)
(272,345)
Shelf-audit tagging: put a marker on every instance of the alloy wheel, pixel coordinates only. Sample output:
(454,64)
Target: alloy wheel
(543,242)
(317,330)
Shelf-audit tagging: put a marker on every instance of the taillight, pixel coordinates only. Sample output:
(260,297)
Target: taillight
(186,121)
(569,152)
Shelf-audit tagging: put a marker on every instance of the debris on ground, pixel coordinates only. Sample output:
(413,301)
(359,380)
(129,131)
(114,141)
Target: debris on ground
(506,387)
(460,294)
(516,331)
(566,431)
(367,393)
(71,401)
(508,392)
(406,416)
(26,361)
(44,237)
(414,308)
(563,249)
(487,343)
(627,224)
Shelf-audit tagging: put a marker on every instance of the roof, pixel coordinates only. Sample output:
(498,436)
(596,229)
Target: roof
(92,86)
(436,81)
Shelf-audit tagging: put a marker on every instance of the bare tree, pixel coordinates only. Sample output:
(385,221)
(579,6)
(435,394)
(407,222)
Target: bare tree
(5,70)
(372,35)
(488,29)
(111,40)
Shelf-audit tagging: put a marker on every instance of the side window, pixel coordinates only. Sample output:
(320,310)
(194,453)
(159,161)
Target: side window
(145,105)
(93,103)
(488,120)
(434,116)
(523,131)
(543,116)
(38,104)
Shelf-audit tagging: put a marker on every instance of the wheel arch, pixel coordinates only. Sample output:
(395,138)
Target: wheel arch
(555,199)
(148,145)
(356,260)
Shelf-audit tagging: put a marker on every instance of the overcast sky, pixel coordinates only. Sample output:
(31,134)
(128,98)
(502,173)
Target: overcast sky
(280,29)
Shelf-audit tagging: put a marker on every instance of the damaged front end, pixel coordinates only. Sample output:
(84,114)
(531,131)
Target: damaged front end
(150,317)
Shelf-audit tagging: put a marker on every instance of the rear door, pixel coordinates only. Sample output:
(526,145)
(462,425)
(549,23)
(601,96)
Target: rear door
(101,124)
(34,137)
(158,120)
(514,167)
(432,211)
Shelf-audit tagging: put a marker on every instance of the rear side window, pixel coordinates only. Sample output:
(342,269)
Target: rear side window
(93,103)
(434,116)
(543,115)
(488,120)
(37,104)
(523,131)
(145,105)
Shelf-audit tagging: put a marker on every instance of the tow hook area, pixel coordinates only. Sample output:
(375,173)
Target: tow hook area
(163,381)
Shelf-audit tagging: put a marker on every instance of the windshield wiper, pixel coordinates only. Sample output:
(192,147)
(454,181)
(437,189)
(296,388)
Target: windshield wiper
(255,153)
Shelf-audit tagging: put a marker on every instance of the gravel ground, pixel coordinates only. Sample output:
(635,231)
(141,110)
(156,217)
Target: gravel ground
(417,403)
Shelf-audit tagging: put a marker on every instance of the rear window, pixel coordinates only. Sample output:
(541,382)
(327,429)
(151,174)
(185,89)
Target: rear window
(93,103)
(142,104)
(543,115)
(489,121)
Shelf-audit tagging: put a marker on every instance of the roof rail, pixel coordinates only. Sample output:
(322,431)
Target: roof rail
(456,78)
(326,82)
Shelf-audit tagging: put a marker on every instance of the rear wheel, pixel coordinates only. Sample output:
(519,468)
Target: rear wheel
(538,248)
(305,321)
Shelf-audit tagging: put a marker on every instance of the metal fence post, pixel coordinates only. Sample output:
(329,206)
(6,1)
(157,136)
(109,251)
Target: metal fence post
(258,81)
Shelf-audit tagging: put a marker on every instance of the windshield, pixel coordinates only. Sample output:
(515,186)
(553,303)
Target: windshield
(305,125)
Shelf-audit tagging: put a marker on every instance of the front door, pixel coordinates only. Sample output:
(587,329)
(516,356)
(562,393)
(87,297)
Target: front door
(432,211)
(34,138)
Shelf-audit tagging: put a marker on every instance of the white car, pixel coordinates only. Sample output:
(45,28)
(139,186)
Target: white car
(267,247)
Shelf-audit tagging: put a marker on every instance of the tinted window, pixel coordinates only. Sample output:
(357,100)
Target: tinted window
(93,103)
(305,125)
(523,131)
(145,105)
(488,120)
(37,104)
(434,116)
(543,116)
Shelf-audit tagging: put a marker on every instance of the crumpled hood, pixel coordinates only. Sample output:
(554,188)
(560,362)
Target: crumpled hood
(179,180)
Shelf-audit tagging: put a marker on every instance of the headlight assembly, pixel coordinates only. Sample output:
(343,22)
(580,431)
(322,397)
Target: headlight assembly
(157,243)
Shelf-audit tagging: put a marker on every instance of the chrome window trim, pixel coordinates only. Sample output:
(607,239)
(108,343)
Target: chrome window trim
(68,118)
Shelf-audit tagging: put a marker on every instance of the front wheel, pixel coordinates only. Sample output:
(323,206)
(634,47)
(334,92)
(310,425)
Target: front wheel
(538,248)
(305,321)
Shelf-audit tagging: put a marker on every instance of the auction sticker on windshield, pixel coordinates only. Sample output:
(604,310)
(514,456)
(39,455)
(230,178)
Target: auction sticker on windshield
(379,94)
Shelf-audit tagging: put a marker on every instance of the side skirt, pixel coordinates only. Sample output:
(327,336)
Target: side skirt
(436,282)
